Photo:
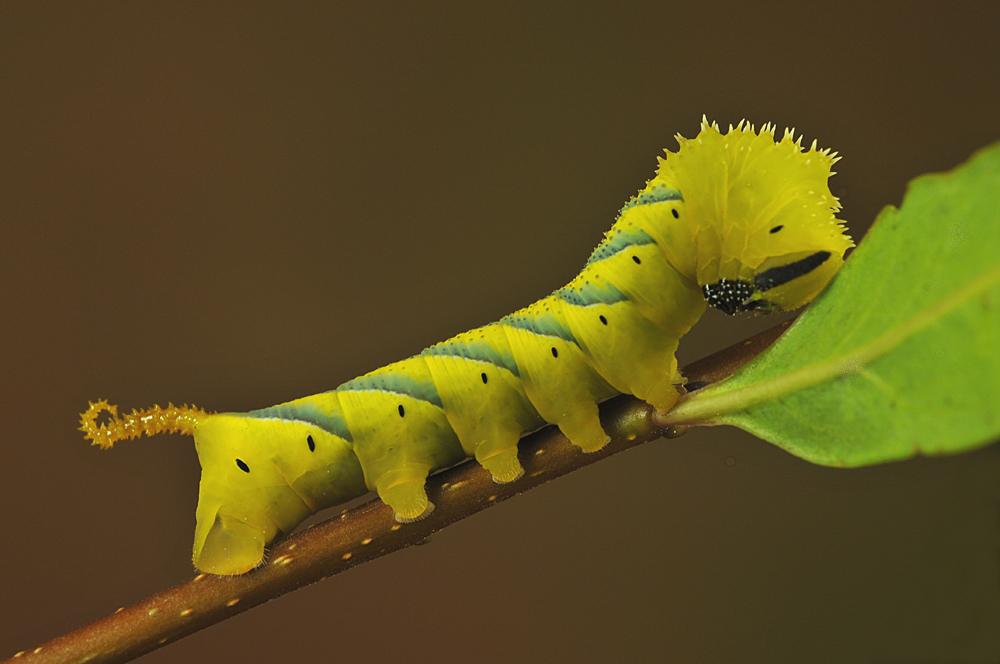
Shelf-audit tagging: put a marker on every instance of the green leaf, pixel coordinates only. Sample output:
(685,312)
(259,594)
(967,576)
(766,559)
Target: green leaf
(901,354)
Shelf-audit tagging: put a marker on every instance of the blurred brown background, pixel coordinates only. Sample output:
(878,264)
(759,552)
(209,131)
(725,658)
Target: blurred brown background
(241,204)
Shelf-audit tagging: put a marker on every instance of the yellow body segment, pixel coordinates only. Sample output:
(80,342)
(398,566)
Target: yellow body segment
(484,400)
(398,437)
(632,353)
(675,305)
(564,388)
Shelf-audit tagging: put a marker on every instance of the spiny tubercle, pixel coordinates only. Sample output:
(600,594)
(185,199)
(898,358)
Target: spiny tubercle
(172,419)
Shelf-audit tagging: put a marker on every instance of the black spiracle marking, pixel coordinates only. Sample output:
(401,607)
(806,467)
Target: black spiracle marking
(555,353)
(637,261)
(243,466)
(677,215)
(312,443)
(604,320)
(483,375)
(776,229)
(402,412)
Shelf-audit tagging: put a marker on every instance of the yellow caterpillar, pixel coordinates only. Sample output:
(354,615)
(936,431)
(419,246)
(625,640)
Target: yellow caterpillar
(737,220)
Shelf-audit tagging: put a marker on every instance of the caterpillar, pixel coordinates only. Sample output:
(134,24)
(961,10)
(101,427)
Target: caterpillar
(737,220)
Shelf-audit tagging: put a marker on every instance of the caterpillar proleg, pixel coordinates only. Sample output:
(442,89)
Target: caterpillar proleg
(738,220)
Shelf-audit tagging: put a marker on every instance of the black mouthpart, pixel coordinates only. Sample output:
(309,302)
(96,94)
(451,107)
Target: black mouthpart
(733,296)
(778,276)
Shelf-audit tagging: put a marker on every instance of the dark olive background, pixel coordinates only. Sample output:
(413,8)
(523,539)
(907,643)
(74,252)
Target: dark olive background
(240,205)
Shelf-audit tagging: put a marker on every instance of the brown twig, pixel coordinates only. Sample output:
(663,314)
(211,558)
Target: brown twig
(364,533)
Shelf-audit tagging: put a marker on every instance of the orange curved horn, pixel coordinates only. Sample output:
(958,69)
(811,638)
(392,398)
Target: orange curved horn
(172,419)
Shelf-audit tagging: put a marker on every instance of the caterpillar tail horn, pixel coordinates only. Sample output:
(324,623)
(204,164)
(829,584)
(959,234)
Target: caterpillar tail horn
(172,419)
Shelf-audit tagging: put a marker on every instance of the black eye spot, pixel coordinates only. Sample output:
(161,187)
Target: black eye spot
(676,214)
(243,466)
(484,378)
(604,320)
(555,353)
(637,261)
(312,443)
(776,229)
(401,411)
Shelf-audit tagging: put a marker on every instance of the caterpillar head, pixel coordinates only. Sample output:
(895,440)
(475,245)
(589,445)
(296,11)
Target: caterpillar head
(262,473)
(759,217)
